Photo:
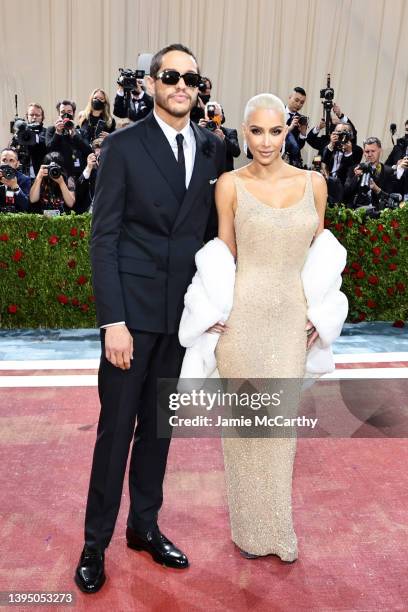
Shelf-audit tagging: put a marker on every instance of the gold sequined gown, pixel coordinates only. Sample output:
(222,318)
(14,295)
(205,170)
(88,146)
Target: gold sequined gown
(266,338)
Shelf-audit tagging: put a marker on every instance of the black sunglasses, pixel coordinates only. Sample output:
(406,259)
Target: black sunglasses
(172,77)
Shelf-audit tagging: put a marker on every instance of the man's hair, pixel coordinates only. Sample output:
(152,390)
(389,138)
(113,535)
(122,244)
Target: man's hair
(65,103)
(158,57)
(406,122)
(97,142)
(9,149)
(36,105)
(300,91)
(209,80)
(372,140)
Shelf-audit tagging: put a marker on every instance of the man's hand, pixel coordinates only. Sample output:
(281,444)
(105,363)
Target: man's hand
(202,122)
(403,163)
(358,171)
(59,126)
(91,162)
(200,103)
(374,187)
(322,124)
(12,183)
(294,123)
(333,139)
(218,132)
(337,110)
(303,129)
(119,346)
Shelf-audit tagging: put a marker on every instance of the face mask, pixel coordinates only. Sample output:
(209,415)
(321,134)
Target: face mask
(98,104)
(205,98)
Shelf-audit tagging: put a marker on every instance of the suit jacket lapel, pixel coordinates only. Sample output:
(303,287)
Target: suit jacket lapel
(157,146)
(201,162)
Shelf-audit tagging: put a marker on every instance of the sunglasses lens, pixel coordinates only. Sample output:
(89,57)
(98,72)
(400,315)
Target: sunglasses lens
(170,77)
(191,79)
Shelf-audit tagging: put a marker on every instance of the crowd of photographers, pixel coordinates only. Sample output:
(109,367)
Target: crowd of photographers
(53,170)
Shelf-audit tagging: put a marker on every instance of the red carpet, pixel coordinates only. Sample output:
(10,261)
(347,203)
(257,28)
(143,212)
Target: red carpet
(350,512)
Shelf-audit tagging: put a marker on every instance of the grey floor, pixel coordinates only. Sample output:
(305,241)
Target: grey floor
(31,344)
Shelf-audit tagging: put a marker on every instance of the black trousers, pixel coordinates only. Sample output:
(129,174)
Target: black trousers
(125,395)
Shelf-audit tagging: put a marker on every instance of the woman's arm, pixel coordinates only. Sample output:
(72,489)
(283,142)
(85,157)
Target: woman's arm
(36,186)
(225,200)
(320,198)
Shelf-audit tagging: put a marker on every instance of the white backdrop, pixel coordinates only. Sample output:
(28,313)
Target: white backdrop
(52,49)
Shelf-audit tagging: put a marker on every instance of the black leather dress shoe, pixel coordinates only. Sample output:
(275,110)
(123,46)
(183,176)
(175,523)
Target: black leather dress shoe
(90,572)
(161,549)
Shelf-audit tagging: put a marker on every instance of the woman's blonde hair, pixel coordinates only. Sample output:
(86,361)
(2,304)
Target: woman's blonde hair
(106,114)
(264,100)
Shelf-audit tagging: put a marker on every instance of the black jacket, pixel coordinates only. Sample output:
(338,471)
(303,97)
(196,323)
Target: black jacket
(231,147)
(347,161)
(88,128)
(18,202)
(399,151)
(84,192)
(71,148)
(144,232)
(386,180)
(36,152)
(138,109)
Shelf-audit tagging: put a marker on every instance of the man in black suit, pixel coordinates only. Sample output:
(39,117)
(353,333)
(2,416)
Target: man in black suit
(384,179)
(296,137)
(228,135)
(154,193)
(31,155)
(140,103)
(341,153)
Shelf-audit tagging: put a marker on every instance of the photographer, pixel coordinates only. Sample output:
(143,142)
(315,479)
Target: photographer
(96,120)
(319,141)
(63,138)
(213,118)
(137,104)
(85,185)
(399,150)
(29,139)
(204,95)
(52,190)
(296,138)
(341,153)
(371,181)
(14,185)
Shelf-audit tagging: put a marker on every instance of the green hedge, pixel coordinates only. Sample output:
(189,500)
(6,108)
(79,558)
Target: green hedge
(45,278)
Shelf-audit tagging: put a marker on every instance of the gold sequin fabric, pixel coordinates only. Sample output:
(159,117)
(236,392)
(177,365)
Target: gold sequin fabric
(266,339)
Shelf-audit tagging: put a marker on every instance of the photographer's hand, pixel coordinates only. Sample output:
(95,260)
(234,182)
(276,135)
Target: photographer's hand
(219,133)
(119,346)
(402,163)
(200,103)
(59,126)
(91,162)
(103,134)
(333,139)
(358,171)
(202,123)
(374,187)
(11,183)
(295,122)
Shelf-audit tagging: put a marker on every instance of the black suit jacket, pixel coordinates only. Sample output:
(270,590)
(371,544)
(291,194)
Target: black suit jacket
(143,239)
(347,162)
(386,180)
(144,106)
(71,148)
(231,147)
(399,150)
(37,152)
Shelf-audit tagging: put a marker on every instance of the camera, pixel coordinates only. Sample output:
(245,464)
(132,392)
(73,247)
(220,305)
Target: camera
(214,120)
(303,120)
(26,132)
(128,78)
(54,170)
(368,173)
(389,200)
(67,118)
(344,138)
(8,172)
(327,97)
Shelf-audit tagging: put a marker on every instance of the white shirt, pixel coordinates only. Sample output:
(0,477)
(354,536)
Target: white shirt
(189,144)
(189,147)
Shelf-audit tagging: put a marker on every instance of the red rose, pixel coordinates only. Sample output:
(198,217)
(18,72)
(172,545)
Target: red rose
(385,257)
(350,223)
(91,299)
(32,235)
(82,234)
(72,263)
(373,280)
(53,240)
(362,316)
(75,302)
(400,287)
(17,255)
(397,234)
(327,223)
(74,231)
(81,280)
(4,237)
(12,308)
(346,270)
(355,265)
(377,251)
(62,298)
(376,260)
(371,304)
(386,238)
(398,323)
(358,292)
(392,266)
(360,274)
(21,273)
(390,291)
(380,227)
(85,307)
(361,253)
(393,251)
(394,224)
(339,226)
(374,238)
(364,230)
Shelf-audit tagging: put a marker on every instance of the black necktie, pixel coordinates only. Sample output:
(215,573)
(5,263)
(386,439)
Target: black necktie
(180,155)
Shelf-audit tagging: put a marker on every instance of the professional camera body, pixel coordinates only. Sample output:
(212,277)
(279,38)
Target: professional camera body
(327,97)
(69,124)
(8,172)
(26,132)
(128,78)
(214,121)
(343,139)
(54,170)
(303,120)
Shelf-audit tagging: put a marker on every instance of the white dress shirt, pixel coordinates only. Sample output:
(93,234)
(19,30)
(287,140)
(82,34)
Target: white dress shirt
(189,146)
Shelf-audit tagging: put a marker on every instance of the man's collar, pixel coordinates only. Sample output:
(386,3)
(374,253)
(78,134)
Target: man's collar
(170,132)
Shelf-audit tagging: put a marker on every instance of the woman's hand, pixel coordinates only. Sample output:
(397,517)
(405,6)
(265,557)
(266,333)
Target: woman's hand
(312,334)
(218,328)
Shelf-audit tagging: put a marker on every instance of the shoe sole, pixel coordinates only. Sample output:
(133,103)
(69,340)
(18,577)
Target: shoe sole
(86,591)
(155,558)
